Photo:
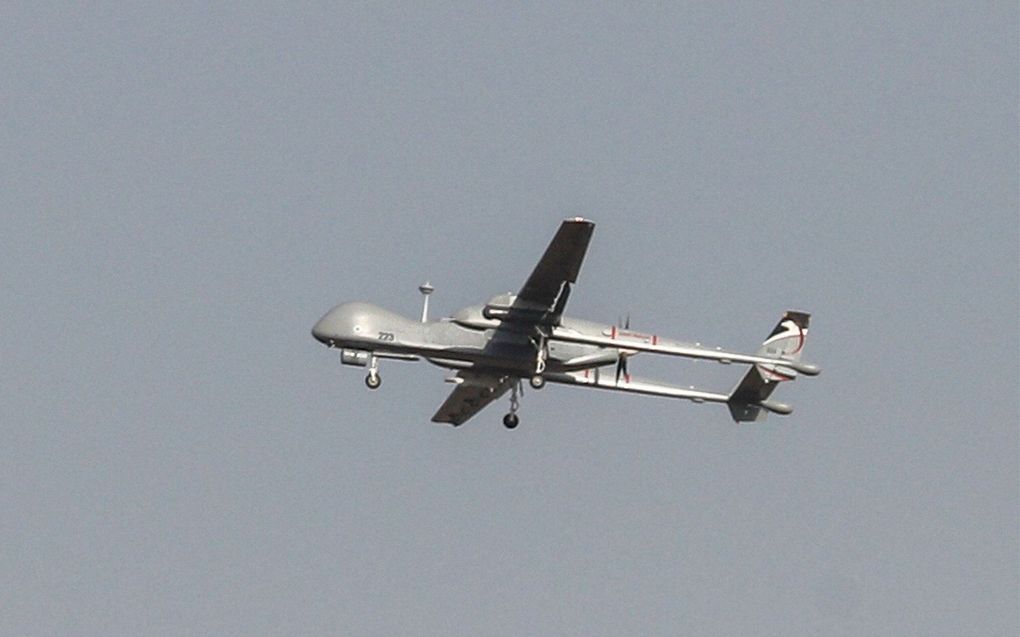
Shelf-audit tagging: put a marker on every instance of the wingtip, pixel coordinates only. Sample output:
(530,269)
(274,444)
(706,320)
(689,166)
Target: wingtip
(446,422)
(579,220)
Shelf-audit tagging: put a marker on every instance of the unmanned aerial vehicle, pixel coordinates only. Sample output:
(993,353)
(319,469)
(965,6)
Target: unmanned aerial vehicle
(493,348)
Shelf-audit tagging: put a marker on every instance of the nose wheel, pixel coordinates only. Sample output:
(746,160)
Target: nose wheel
(511,420)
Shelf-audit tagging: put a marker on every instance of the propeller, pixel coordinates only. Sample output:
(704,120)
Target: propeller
(621,362)
(621,368)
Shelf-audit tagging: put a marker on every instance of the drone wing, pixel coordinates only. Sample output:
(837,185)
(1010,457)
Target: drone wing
(473,393)
(548,287)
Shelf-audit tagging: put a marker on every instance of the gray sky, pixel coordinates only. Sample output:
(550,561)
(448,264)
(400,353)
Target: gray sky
(185,190)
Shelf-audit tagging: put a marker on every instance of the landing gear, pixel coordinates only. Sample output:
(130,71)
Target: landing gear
(373,380)
(511,420)
(537,381)
(540,357)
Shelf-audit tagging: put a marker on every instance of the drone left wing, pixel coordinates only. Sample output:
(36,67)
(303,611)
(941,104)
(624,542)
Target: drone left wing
(473,393)
(548,287)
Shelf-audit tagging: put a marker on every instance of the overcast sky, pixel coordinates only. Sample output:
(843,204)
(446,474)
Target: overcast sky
(185,190)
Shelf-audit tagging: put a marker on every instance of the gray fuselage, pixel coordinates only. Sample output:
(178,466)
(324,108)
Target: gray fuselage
(466,340)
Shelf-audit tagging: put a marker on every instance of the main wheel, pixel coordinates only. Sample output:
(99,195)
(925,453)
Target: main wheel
(537,381)
(510,421)
(372,381)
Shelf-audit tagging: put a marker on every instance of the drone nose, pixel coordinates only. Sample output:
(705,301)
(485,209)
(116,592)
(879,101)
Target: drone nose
(320,332)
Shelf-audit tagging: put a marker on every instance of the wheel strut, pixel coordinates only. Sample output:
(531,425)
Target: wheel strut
(373,380)
(543,354)
(511,420)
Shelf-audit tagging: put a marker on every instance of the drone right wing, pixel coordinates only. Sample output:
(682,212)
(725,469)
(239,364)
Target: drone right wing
(545,293)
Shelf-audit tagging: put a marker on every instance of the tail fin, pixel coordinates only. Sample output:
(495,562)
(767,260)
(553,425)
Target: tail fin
(749,400)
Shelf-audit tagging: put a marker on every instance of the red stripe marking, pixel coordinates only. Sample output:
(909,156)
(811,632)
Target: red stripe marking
(781,376)
(800,345)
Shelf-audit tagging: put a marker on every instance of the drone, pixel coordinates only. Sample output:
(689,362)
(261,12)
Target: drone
(493,348)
